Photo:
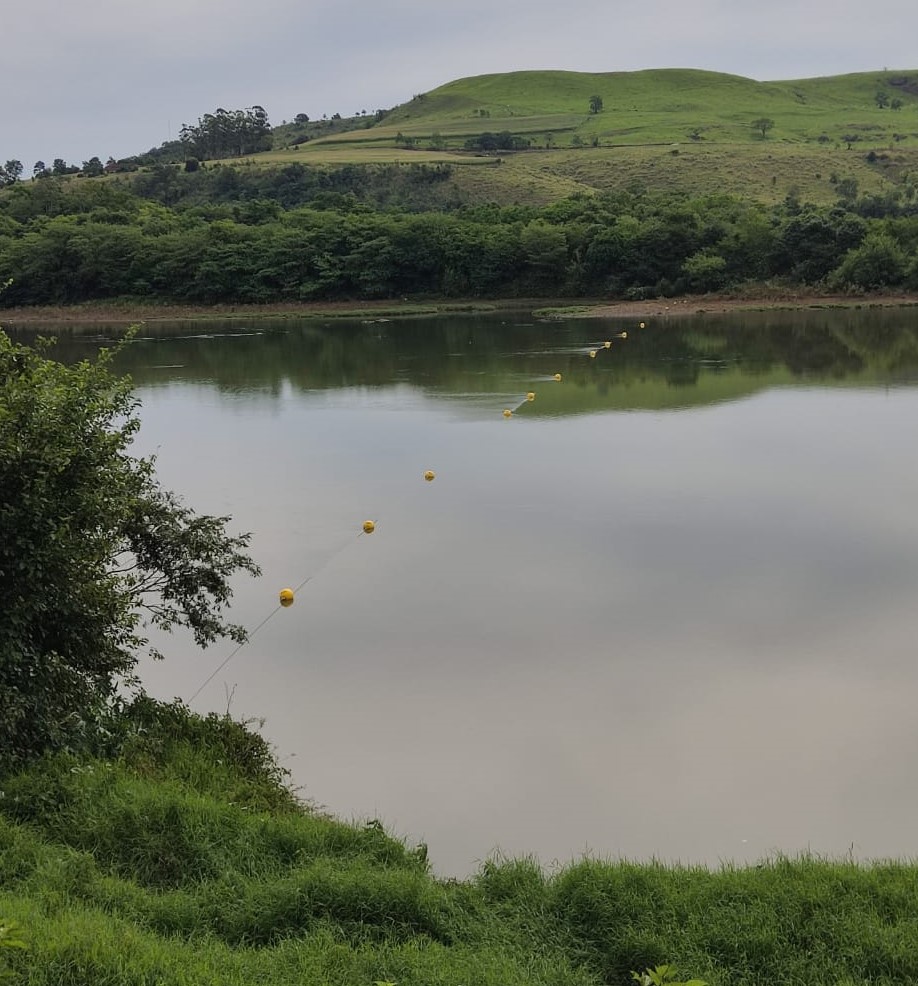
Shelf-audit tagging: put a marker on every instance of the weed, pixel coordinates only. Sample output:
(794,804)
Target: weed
(664,975)
(10,937)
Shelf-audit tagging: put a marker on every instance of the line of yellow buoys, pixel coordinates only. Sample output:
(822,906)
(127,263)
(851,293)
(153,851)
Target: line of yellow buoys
(287,595)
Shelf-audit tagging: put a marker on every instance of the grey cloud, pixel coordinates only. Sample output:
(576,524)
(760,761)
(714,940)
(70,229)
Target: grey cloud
(116,78)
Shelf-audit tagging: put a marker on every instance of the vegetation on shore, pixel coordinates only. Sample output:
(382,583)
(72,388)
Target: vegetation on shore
(170,851)
(251,240)
(93,551)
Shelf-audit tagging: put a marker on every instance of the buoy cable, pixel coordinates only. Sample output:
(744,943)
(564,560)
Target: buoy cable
(251,633)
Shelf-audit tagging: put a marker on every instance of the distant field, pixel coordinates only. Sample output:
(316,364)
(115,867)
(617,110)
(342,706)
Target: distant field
(540,123)
(683,130)
(334,153)
(672,104)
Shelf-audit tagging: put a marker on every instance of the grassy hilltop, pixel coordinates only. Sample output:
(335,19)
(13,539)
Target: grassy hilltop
(175,856)
(682,129)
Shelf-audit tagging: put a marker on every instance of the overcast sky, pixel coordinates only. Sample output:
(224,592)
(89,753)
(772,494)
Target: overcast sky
(116,77)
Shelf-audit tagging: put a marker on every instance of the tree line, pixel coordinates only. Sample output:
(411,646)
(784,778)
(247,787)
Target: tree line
(64,242)
(223,133)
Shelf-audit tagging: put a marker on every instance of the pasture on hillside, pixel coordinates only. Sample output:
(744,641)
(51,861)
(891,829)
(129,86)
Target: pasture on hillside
(689,131)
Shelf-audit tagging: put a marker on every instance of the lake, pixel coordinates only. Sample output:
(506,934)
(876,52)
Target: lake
(666,609)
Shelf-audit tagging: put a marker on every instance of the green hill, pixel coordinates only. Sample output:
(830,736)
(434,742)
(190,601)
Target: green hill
(669,105)
(688,130)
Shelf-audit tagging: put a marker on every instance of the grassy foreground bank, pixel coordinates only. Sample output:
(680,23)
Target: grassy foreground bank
(174,854)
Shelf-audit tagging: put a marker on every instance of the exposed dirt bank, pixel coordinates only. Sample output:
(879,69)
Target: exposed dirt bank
(128,313)
(714,305)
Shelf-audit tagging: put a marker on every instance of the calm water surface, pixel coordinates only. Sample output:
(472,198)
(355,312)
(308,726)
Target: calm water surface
(667,609)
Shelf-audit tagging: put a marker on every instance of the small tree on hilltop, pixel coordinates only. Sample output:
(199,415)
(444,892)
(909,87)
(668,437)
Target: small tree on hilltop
(595,104)
(92,549)
(763,125)
(93,167)
(12,171)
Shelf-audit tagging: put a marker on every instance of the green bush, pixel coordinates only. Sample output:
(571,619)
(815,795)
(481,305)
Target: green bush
(878,262)
(90,547)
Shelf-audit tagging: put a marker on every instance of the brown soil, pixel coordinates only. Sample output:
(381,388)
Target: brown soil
(129,313)
(713,305)
(656,308)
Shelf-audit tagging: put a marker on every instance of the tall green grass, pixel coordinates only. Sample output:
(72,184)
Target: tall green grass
(173,853)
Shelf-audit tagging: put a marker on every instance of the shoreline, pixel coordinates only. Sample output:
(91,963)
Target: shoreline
(594,308)
(724,305)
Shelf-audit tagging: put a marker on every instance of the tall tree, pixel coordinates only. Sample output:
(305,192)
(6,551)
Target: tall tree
(93,167)
(11,172)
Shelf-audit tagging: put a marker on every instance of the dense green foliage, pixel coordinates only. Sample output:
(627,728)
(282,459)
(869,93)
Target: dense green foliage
(175,855)
(91,547)
(253,241)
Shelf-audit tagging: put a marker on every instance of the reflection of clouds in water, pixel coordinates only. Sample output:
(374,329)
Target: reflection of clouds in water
(646,634)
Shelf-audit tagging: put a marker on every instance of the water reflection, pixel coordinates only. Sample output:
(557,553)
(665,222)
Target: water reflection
(673,363)
(684,635)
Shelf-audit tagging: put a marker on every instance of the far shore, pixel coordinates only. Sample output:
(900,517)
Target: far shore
(721,305)
(132,312)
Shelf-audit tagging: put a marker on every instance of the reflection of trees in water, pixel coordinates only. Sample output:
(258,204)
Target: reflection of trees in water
(704,358)
(682,373)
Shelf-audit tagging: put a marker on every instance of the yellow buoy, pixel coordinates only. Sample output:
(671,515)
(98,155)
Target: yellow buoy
(368,527)
(641,326)
(286,597)
(530,396)
(607,344)
(623,335)
(430,475)
(592,354)
(557,376)
(507,412)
